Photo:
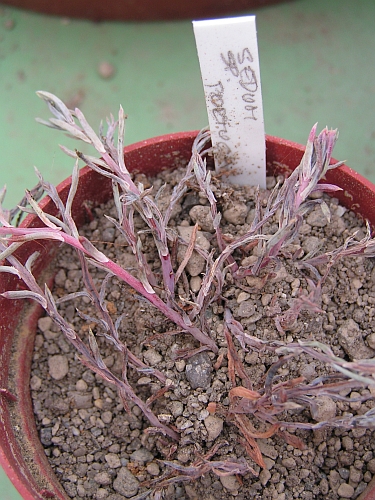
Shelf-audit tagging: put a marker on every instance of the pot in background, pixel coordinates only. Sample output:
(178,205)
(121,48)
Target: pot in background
(143,10)
(21,453)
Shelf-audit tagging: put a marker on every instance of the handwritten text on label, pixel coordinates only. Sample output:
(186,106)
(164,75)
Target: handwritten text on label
(228,57)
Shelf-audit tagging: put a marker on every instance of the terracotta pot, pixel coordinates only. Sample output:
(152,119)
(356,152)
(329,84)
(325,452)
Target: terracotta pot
(133,10)
(21,453)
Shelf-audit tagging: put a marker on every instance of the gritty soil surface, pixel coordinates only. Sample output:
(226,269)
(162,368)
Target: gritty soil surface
(100,451)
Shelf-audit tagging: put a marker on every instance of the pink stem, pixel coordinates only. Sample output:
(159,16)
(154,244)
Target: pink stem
(85,246)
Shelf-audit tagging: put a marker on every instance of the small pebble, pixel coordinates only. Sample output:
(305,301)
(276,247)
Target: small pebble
(80,452)
(267,449)
(356,284)
(35,383)
(202,216)
(214,426)
(289,463)
(356,404)
(58,366)
(230,483)
(266,299)
(190,492)
(101,494)
(246,309)
(113,460)
(264,476)
(359,432)
(46,436)
(81,385)
(351,340)
(144,381)
(316,218)
(203,414)
(340,210)
(186,232)
(308,371)
(60,278)
(195,283)
(242,296)
(39,340)
(107,417)
(197,263)
(344,473)
(109,234)
(153,469)
(125,483)
(345,490)
(371,340)
(355,475)
(312,244)
(269,463)
(102,478)
(180,365)
(81,401)
(347,443)
(114,448)
(236,214)
(176,408)
(198,370)
(184,424)
(142,456)
(45,323)
(324,408)
(371,465)
(152,357)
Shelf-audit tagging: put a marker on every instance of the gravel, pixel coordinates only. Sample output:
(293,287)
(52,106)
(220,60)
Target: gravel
(98,450)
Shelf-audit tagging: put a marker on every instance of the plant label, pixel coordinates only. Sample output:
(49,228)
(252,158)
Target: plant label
(229,62)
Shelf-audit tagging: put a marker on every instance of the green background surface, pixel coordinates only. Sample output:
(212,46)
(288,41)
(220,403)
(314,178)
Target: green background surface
(317,62)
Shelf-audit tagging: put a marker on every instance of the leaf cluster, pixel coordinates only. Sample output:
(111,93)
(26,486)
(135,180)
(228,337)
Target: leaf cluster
(289,202)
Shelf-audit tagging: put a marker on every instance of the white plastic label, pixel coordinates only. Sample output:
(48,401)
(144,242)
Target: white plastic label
(228,57)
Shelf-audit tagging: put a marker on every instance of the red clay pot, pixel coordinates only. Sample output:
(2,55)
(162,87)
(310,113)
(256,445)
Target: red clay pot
(21,453)
(135,10)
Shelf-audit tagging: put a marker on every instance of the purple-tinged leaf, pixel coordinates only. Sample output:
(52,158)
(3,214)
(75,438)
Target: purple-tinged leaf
(326,188)
(95,351)
(71,130)
(56,106)
(90,135)
(25,294)
(10,270)
(93,252)
(8,251)
(31,260)
(39,212)
(120,144)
